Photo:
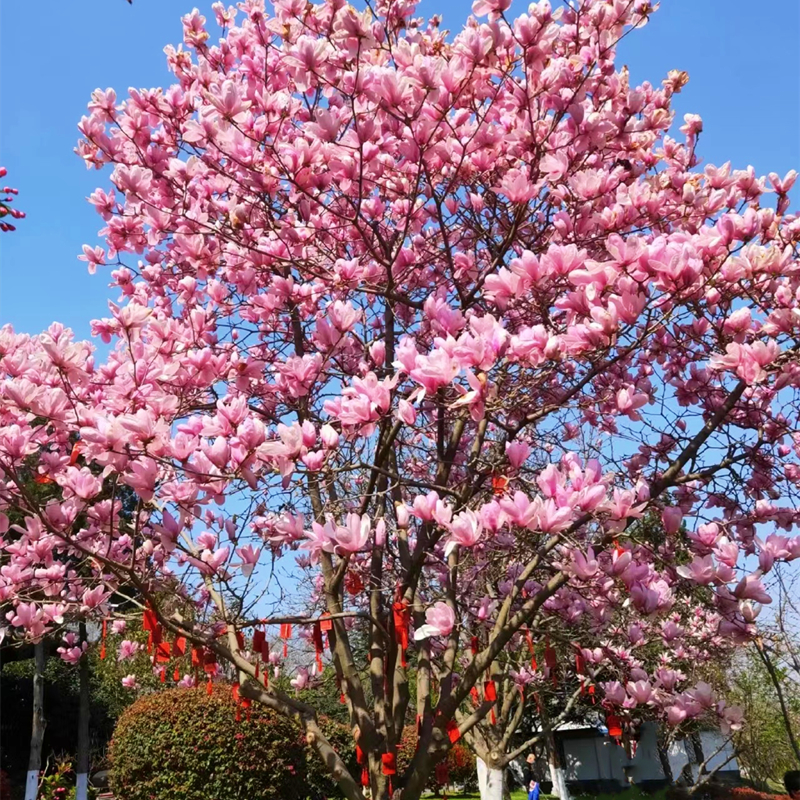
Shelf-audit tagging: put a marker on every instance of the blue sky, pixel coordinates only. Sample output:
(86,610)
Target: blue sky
(741,56)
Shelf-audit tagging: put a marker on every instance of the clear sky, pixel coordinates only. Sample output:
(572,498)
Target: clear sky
(742,57)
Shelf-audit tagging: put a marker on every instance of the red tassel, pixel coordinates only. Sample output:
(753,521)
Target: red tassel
(259,637)
(179,647)
(365,777)
(473,693)
(493,716)
(197,656)
(208,686)
(388,764)
(256,670)
(400,613)
(489,691)
(318,646)
(473,645)
(591,694)
(359,755)
(265,652)
(529,640)
(163,675)
(176,676)
(103,643)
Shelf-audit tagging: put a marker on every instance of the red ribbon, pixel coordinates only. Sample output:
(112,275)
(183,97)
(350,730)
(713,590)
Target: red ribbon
(400,613)
(179,646)
(489,691)
(473,645)
(318,646)
(103,643)
(286,634)
(388,764)
(453,732)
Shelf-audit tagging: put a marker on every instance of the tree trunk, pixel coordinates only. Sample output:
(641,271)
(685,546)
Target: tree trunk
(490,781)
(776,683)
(82,778)
(697,750)
(557,775)
(662,748)
(37,729)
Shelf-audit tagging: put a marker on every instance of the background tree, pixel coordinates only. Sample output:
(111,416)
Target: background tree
(382,289)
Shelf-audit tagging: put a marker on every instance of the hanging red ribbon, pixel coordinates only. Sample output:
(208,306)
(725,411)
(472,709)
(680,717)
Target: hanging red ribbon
(73,456)
(286,634)
(614,725)
(259,637)
(103,643)
(359,756)
(453,733)
(473,645)
(365,777)
(473,693)
(401,618)
(316,635)
(388,764)
(490,691)
(162,653)
(149,619)
(179,647)
(176,675)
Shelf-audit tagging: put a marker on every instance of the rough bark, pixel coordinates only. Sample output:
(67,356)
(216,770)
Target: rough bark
(82,779)
(37,730)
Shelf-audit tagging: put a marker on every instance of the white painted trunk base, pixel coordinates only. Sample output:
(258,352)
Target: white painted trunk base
(82,787)
(559,781)
(490,781)
(32,784)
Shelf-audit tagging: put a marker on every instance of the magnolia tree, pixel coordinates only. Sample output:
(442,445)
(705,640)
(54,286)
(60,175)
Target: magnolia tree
(618,672)
(7,195)
(382,288)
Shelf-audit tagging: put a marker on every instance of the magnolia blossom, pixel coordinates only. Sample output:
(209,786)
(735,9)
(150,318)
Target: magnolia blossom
(439,621)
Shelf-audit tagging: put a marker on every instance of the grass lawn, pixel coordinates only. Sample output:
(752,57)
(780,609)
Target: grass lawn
(628,794)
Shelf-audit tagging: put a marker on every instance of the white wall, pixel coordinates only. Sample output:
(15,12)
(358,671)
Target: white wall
(592,758)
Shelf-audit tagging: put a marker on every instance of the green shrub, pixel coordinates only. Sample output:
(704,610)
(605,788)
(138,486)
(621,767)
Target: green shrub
(461,766)
(183,744)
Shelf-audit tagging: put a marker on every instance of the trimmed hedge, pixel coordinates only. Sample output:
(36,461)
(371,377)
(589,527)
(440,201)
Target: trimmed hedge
(183,744)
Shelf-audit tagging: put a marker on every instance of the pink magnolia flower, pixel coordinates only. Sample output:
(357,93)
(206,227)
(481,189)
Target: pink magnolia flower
(128,649)
(439,621)
(301,680)
(517,453)
(249,556)
(752,588)
(353,536)
(129,682)
(118,626)
(465,530)
(671,518)
(584,567)
(640,692)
